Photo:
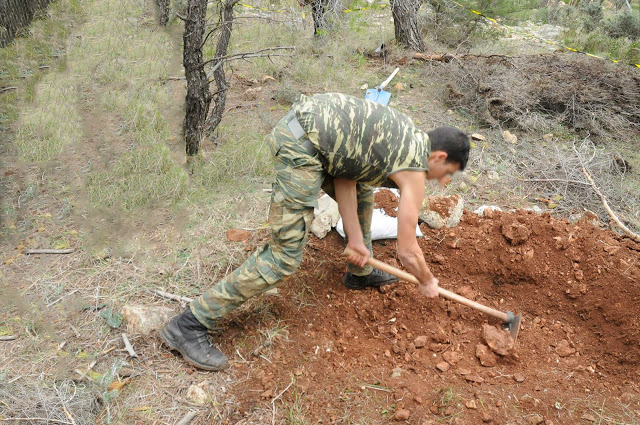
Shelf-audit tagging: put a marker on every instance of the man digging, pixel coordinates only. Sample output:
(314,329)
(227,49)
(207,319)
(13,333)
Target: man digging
(345,146)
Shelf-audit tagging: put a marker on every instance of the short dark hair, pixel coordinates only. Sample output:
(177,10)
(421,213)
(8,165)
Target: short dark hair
(453,141)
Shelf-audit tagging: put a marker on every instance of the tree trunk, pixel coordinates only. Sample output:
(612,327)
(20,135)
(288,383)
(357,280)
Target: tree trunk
(318,10)
(163,8)
(219,76)
(15,15)
(198,94)
(405,22)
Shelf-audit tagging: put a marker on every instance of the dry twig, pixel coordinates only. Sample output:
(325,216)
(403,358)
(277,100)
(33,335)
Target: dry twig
(8,337)
(172,296)
(187,418)
(128,346)
(606,206)
(49,251)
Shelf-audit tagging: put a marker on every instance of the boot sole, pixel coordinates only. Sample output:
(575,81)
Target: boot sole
(171,344)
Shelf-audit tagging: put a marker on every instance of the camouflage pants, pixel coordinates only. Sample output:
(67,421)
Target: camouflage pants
(299,178)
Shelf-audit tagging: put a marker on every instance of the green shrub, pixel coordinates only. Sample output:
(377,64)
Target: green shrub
(624,25)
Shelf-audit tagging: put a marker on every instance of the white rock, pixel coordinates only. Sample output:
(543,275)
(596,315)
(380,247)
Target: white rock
(434,220)
(146,319)
(493,175)
(536,209)
(197,394)
(480,210)
(508,137)
(477,136)
(321,225)
(327,204)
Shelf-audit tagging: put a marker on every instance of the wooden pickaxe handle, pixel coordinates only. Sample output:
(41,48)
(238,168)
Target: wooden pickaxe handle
(400,274)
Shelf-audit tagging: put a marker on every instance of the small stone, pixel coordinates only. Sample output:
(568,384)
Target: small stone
(477,136)
(579,274)
(399,87)
(387,353)
(564,349)
(442,366)
(145,319)
(498,340)
(397,372)
(486,418)
(439,259)
(420,341)
(197,394)
(471,404)
(401,415)
(418,399)
(452,357)
(441,211)
(493,175)
(535,419)
(487,210)
(547,137)
(267,78)
(474,378)
(486,356)
(268,394)
(237,235)
(463,371)
(498,403)
(518,377)
(508,137)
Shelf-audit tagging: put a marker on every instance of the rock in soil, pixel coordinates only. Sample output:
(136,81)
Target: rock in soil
(197,394)
(535,419)
(442,366)
(441,211)
(515,232)
(498,340)
(486,356)
(518,377)
(145,319)
(452,357)
(401,415)
(420,341)
(564,349)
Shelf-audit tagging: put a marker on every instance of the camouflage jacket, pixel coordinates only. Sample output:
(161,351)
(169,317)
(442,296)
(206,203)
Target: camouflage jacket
(362,140)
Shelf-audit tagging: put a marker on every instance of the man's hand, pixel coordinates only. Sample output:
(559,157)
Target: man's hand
(360,254)
(429,288)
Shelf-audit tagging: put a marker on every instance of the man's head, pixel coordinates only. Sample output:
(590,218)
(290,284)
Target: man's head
(449,153)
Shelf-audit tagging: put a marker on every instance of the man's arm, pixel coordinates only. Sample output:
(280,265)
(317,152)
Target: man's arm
(348,206)
(412,185)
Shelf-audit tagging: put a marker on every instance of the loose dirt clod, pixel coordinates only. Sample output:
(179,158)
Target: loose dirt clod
(515,232)
(498,340)
(564,349)
(401,415)
(237,235)
(486,356)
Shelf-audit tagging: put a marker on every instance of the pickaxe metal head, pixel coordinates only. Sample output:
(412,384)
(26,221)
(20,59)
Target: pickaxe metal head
(513,325)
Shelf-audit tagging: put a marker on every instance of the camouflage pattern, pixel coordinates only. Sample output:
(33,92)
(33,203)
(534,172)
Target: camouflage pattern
(302,168)
(362,140)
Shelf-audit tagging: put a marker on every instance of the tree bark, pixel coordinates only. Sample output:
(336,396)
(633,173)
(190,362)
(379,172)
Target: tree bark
(219,76)
(198,94)
(15,15)
(405,23)
(163,8)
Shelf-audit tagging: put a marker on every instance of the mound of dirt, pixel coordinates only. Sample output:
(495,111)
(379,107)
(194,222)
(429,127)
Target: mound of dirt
(360,356)
(387,201)
(534,92)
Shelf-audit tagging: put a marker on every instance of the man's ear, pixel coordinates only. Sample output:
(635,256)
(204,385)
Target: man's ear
(438,156)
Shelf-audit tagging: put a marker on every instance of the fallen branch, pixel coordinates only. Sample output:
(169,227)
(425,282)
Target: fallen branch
(257,54)
(613,216)
(66,412)
(8,337)
(49,251)
(2,90)
(171,296)
(128,346)
(556,180)
(187,418)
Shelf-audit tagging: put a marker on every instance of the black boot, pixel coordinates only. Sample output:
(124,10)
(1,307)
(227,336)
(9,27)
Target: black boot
(376,279)
(187,335)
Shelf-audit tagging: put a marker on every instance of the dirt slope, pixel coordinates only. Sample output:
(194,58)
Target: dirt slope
(355,356)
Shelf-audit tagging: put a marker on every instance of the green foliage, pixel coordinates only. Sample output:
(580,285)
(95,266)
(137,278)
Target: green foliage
(625,25)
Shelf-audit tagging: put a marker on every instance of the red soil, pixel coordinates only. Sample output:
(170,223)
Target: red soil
(576,287)
(386,200)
